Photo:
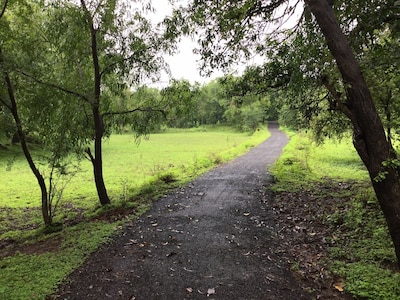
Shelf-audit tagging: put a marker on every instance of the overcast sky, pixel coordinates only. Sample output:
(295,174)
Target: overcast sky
(184,64)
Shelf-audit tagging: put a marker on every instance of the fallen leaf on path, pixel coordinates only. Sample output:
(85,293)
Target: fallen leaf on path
(189,290)
(171,254)
(210,292)
(188,270)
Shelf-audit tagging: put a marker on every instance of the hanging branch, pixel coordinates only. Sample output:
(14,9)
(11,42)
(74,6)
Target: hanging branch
(134,110)
(55,86)
(3,10)
(338,103)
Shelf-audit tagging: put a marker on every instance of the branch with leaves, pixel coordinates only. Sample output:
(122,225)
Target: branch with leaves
(126,112)
(53,85)
(3,9)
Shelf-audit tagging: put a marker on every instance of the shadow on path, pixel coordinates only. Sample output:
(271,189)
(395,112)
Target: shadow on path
(213,239)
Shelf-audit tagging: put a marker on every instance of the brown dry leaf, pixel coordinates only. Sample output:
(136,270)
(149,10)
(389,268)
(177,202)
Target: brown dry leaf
(339,285)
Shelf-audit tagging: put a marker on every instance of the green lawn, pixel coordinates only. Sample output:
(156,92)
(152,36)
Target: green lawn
(303,162)
(126,163)
(129,167)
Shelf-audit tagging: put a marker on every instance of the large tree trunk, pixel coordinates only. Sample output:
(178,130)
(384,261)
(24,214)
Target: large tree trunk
(369,136)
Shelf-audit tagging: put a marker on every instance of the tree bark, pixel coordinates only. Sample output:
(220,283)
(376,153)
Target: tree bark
(369,136)
(97,160)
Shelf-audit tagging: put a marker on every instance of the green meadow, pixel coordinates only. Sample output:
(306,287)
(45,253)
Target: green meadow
(361,250)
(129,165)
(303,161)
(135,175)
(127,162)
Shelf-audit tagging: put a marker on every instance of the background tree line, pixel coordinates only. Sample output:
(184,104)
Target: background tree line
(218,102)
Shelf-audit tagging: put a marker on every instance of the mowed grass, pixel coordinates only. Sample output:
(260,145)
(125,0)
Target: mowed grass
(304,161)
(128,165)
(125,163)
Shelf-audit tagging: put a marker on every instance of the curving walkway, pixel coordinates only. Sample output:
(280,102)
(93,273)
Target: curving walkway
(213,239)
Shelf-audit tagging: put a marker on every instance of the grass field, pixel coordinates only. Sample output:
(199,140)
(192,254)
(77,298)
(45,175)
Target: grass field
(131,172)
(126,163)
(363,253)
(303,162)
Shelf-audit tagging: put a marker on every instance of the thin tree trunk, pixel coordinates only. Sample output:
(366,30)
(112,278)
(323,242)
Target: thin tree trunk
(97,160)
(14,110)
(369,136)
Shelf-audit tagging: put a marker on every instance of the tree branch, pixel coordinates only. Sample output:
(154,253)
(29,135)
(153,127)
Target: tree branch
(5,103)
(3,10)
(89,153)
(149,109)
(338,104)
(54,86)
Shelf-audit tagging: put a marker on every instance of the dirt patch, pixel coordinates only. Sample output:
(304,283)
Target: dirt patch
(51,245)
(9,246)
(306,236)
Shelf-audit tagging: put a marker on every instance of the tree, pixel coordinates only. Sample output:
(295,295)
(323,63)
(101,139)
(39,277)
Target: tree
(211,103)
(144,120)
(181,98)
(24,101)
(240,28)
(95,50)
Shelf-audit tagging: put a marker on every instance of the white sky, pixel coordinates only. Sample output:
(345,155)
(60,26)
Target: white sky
(184,64)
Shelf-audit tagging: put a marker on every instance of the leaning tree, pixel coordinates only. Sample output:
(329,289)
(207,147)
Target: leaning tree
(336,33)
(34,109)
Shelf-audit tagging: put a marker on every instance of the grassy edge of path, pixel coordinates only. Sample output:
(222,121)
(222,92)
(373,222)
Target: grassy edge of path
(360,255)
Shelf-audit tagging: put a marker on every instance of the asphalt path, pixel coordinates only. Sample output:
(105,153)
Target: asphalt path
(213,239)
